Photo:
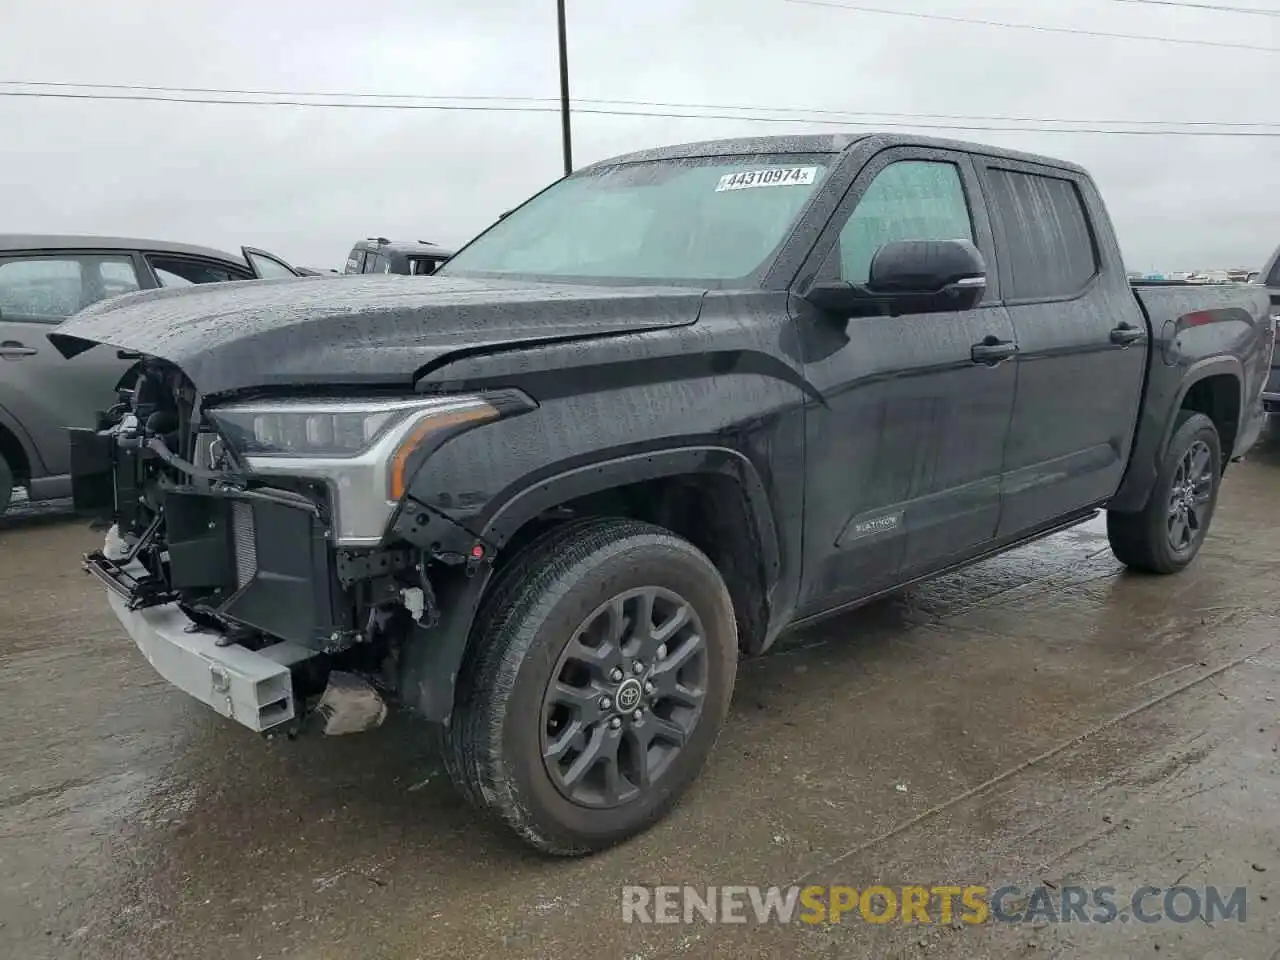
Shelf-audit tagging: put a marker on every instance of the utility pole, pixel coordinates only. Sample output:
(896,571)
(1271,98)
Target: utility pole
(564,93)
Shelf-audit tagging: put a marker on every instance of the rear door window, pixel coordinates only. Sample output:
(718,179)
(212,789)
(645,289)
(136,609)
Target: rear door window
(1048,243)
(186,271)
(49,289)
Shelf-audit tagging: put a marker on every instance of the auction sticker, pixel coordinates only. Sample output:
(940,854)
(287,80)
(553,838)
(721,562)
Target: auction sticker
(772,177)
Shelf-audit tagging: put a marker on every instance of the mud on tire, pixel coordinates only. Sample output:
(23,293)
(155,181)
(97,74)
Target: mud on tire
(544,735)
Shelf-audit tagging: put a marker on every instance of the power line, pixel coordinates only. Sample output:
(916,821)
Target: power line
(447,102)
(231,91)
(499,108)
(857,8)
(1214,7)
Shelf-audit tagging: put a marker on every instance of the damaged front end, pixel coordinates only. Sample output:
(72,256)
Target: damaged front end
(249,558)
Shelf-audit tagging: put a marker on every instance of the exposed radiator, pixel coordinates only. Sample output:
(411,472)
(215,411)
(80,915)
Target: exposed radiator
(246,548)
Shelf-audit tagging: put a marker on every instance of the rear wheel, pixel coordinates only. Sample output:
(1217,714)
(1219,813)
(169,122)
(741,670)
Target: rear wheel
(1168,534)
(602,672)
(6,484)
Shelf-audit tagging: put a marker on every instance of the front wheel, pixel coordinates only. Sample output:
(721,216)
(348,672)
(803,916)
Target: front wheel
(1167,535)
(601,673)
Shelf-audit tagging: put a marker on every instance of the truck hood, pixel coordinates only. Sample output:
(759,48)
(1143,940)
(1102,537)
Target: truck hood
(341,330)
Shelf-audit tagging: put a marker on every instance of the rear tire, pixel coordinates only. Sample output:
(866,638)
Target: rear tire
(573,725)
(1166,536)
(6,484)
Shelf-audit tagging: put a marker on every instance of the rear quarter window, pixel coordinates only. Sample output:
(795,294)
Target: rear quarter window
(1048,243)
(421,266)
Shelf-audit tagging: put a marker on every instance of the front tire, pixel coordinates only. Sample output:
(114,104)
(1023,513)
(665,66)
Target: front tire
(1166,536)
(602,667)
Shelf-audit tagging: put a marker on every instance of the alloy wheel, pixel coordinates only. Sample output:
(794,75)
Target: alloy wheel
(624,698)
(1190,496)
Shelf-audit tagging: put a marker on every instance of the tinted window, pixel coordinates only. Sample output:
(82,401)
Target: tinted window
(908,200)
(53,288)
(355,262)
(182,272)
(1049,247)
(422,265)
(375,263)
(672,220)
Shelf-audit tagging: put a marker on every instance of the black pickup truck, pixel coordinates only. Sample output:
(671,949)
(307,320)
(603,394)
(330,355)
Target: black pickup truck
(672,406)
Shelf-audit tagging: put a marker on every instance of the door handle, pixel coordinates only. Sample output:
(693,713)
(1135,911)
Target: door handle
(1126,334)
(992,350)
(13,350)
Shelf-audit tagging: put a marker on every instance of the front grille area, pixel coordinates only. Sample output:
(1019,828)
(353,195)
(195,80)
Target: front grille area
(246,548)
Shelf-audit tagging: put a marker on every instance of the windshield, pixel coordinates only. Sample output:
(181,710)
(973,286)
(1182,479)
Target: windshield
(707,220)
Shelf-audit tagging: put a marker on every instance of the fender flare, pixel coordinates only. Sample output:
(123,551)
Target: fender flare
(434,659)
(1151,443)
(596,476)
(1201,370)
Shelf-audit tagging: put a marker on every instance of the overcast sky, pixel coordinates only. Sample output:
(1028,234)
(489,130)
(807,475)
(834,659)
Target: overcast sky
(305,183)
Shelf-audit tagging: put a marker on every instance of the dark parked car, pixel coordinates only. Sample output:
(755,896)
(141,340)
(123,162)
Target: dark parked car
(672,406)
(44,280)
(1270,277)
(412,258)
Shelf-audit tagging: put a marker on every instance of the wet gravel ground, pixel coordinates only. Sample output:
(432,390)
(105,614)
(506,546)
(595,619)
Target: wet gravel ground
(1042,718)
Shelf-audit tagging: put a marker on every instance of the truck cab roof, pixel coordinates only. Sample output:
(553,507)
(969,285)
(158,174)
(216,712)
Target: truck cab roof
(833,143)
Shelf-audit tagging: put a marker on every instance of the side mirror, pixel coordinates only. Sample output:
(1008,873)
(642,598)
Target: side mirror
(910,276)
(838,298)
(919,276)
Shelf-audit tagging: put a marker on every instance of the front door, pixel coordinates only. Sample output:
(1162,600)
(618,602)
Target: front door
(904,452)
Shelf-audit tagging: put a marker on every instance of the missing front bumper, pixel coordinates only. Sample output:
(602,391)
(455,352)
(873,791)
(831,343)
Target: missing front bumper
(254,688)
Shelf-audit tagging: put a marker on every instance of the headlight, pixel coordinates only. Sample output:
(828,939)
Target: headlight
(360,447)
(306,429)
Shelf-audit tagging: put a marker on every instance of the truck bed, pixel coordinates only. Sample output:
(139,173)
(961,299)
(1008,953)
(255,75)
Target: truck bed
(1197,326)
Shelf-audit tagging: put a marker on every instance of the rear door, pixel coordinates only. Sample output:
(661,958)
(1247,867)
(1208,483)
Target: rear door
(1082,343)
(904,454)
(41,390)
(267,266)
